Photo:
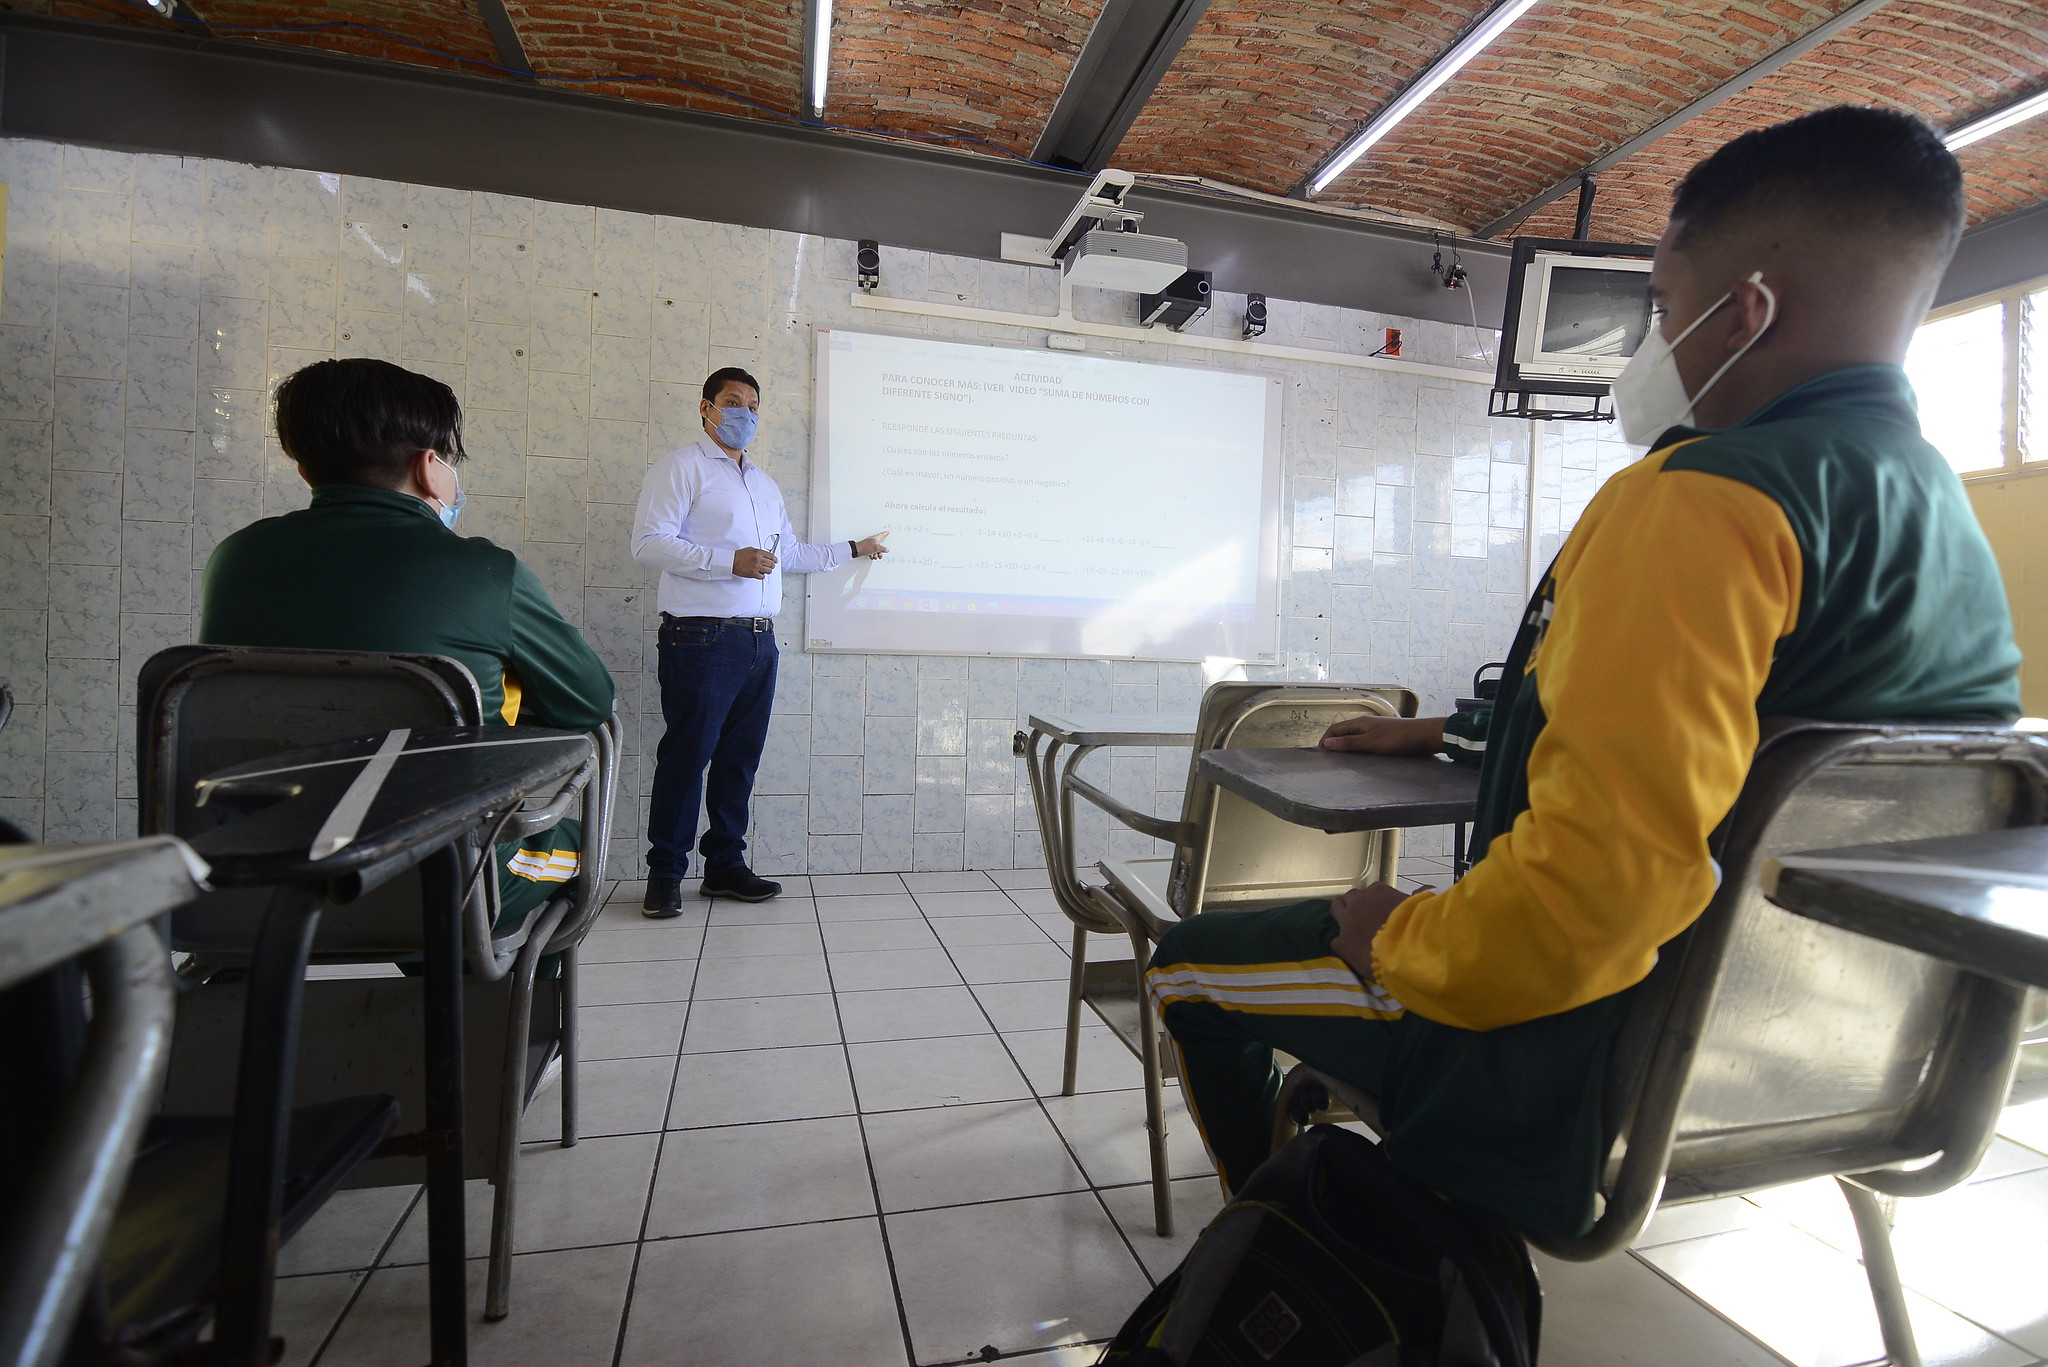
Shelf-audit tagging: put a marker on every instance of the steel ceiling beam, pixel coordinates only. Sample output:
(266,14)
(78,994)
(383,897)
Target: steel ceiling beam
(1127,53)
(1997,255)
(1743,80)
(505,37)
(275,105)
(290,106)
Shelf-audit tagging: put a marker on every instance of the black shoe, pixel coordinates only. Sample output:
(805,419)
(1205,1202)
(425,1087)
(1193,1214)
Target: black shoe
(664,899)
(739,883)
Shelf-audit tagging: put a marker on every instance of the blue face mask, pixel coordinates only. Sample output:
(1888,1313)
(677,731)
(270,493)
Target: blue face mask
(736,426)
(450,511)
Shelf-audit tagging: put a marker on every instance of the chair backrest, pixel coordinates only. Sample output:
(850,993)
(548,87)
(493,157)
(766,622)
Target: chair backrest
(203,708)
(1767,1048)
(1239,855)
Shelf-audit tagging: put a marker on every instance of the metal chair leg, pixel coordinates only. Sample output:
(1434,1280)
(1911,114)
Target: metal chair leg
(511,1111)
(1075,973)
(1285,1127)
(62,1224)
(441,878)
(262,1128)
(1874,1232)
(513,1082)
(1155,1096)
(567,997)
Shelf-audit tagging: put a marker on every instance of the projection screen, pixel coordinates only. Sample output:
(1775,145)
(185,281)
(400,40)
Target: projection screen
(1042,503)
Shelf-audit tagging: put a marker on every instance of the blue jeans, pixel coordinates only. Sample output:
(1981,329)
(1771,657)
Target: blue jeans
(717,688)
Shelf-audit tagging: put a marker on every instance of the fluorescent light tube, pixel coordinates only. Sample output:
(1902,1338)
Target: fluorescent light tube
(1997,121)
(820,54)
(1445,67)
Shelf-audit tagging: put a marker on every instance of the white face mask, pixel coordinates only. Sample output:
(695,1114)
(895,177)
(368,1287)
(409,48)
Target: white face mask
(1649,394)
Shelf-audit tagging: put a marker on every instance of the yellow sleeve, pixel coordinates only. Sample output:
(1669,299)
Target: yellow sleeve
(1664,622)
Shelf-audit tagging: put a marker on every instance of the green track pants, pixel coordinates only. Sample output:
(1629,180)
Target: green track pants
(1232,987)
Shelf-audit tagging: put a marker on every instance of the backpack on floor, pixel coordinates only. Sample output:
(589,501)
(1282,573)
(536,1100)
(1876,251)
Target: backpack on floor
(1329,1258)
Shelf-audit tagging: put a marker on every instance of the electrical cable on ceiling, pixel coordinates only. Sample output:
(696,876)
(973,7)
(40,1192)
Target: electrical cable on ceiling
(1456,277)
(1365,213)
(1478,333)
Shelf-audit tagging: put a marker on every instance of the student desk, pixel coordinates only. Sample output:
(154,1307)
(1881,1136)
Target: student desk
(1082,733)
(1336,791)
(334,821)
(57,903)
(1978,901)
(92,902)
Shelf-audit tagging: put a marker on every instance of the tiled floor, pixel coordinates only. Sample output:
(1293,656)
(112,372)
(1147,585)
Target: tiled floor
(827,1130)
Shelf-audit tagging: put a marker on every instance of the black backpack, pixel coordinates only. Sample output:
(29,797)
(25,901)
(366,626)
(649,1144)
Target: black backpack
(1329,1258)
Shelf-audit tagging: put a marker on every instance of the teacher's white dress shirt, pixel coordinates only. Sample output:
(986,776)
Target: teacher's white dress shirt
(697,506)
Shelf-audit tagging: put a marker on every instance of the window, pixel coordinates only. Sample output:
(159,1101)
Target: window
(1980,371)
(1957,366)
(2034,376)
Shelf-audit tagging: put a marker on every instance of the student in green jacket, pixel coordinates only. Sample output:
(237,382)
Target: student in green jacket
(374,563)
(1790,546)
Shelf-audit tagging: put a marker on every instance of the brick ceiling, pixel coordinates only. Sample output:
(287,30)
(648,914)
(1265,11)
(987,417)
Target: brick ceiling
(1262,91)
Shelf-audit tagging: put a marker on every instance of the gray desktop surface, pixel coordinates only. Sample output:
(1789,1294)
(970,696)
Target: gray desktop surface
(1336,792)
(1988,920)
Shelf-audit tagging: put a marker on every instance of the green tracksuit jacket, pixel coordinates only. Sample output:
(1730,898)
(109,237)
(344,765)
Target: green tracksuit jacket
(1818,559)
(374,569)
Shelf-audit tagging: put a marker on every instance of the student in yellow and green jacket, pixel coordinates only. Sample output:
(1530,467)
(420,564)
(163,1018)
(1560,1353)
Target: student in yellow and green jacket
(374,563)
(1791,546)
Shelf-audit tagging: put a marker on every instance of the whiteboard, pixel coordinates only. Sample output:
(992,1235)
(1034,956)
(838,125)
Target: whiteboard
(1043,503)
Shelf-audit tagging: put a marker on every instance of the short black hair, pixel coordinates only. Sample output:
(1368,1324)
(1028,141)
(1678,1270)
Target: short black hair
(1856,166)
(359,421)
(717,380)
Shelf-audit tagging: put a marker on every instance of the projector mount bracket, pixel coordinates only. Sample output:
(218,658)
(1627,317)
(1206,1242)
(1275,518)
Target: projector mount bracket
(1100,206)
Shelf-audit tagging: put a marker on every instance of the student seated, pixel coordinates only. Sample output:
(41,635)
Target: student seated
(1791,546)
(374,563)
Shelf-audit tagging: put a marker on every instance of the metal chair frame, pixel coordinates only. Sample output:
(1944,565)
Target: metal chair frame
(1224,853)
(1948,1116)
(56,1305)
(53,1246)
(441,685)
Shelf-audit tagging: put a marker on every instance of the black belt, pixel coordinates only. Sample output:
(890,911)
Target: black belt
(747,623)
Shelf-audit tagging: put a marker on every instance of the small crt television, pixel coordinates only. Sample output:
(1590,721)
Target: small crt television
(1576,311)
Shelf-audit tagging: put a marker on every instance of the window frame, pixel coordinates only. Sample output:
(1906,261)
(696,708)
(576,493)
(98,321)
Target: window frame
(2012,302)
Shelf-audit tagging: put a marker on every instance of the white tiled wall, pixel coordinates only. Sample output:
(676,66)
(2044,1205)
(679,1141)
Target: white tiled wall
(150,303)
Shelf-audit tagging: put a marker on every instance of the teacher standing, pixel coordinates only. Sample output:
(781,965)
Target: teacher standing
(714,524)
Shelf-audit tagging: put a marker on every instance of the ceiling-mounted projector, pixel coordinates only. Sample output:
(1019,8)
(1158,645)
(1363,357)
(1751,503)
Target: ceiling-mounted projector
(1131,261)
(1099,244)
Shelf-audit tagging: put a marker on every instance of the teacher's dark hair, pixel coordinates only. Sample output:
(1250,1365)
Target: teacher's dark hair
(717,380)
(359,421)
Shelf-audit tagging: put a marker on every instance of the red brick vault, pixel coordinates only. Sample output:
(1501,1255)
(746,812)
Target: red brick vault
(1260,93)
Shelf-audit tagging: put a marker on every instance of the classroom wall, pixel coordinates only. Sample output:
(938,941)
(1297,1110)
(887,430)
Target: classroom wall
(2012,510)
(150,303)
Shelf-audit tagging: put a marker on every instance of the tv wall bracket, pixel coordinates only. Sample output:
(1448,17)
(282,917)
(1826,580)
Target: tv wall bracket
(1542,398)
